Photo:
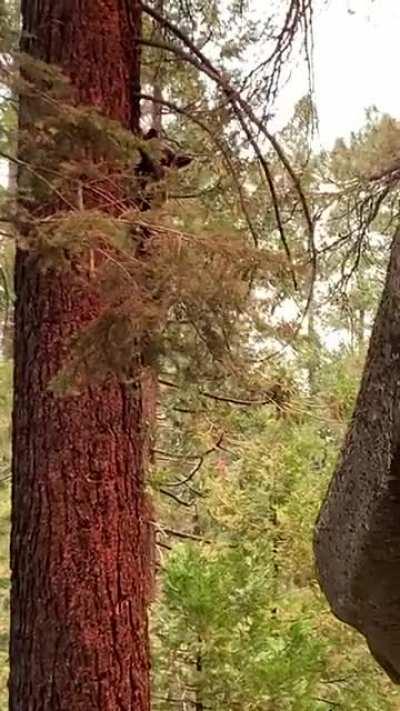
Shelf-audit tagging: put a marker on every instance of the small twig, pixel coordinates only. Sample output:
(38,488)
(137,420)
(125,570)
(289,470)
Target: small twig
(179,534)
(175,498)
(198,464)
(327,701)
(169,455)
(179,701)
(237,401)
(31,170)
(190,476)
(268,400)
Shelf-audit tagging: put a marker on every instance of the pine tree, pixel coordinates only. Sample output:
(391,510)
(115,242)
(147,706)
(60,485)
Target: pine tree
(79,542)
(240,585)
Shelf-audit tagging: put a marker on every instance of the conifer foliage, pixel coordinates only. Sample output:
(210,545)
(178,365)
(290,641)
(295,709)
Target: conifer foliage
(162,233)
(108,286)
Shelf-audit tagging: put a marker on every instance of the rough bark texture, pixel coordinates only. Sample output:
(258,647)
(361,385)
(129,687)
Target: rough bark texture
(80,546)
(357,539)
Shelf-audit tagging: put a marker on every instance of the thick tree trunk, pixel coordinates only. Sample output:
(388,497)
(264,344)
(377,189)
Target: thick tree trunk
(357,539)
(79,548)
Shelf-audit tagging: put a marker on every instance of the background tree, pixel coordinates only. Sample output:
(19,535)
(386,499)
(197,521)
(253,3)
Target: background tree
(239,498)
(80,542)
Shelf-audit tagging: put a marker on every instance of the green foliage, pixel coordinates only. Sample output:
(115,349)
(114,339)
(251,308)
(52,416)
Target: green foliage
(240,623)
(250,657)
(187,295)
(74,233)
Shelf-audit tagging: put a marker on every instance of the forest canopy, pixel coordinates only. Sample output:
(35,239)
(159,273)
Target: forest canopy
(188,287)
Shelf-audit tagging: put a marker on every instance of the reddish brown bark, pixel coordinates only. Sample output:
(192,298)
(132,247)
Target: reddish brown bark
(79,548)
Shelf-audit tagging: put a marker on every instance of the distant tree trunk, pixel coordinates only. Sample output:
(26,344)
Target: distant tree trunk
(198,704)
(156,109)
(360,328)
(79,544)
(313,344)
(7,249)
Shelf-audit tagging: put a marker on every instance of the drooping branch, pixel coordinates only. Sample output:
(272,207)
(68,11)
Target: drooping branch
(179,534)
(198,464)
(174,497)
(273,397)
(243,113)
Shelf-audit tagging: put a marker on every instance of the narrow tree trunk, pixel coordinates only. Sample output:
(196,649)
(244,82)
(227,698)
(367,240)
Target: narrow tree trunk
(198,704)
(360,328)
(7,255)
(156,109)
(79,552)
(313,344)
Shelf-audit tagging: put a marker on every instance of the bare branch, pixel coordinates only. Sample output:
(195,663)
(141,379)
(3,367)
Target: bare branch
(175,498)
(179,534)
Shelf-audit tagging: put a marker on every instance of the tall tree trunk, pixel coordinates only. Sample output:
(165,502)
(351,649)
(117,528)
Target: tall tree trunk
(357,536)
(79,552)
(156,109)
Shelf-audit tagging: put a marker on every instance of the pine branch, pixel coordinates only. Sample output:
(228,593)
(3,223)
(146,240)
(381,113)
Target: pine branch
(179,534)
(191,117)
(175,498)
(181,702)
(271,398)
(200,461)
(268,400)
(241,109)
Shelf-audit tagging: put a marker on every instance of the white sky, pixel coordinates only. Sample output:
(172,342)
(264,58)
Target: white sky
(356,62)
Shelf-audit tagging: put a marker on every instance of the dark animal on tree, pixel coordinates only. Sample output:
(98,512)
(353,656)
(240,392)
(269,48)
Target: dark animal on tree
(150,170)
